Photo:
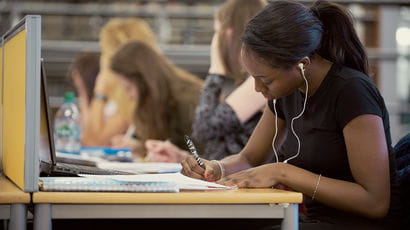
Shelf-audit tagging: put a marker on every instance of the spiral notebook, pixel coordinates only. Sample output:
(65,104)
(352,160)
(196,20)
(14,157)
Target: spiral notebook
(82,184)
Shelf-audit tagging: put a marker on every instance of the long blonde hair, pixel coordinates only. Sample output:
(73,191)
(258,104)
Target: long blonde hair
(119,31)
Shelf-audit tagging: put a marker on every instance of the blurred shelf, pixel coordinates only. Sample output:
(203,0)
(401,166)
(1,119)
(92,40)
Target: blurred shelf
(57,56)
(117,9)
(366,2)
(385,54)
(184,28)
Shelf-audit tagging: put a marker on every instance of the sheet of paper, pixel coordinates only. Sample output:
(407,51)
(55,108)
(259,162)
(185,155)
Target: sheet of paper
(139,168)
(183,182)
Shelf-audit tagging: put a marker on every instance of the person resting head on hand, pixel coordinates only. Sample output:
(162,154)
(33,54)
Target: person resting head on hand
(229,108)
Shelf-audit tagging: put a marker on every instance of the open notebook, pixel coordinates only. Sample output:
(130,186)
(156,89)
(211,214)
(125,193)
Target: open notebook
(48,159)
(182,182)
(162,182)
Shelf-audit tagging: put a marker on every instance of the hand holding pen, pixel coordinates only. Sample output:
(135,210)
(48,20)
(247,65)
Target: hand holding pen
(192,150)
(211,172)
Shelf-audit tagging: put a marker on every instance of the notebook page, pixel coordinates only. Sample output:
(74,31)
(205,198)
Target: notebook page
(183,182)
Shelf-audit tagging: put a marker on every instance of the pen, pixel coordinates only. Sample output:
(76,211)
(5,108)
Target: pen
(193,151)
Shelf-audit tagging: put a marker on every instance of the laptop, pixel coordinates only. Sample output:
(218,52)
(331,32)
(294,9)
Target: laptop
(50,165)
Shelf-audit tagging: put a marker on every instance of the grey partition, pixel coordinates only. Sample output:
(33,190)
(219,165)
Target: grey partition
(24,37)
(1,106)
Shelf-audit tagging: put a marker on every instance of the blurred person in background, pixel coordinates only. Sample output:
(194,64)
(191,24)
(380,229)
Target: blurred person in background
(165,100)
(83,73)
(110,110)
(229,108)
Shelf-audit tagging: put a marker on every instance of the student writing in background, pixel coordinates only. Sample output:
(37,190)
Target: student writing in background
(227,113)
(110,110)
(311,67)
(165,100)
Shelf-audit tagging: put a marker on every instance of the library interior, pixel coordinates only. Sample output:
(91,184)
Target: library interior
(213,114)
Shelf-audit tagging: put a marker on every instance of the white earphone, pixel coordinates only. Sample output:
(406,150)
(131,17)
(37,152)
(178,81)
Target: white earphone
(301,66)
(302,71)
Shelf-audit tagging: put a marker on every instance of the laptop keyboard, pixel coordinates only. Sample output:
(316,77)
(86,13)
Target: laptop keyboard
(76,161)
(82,169)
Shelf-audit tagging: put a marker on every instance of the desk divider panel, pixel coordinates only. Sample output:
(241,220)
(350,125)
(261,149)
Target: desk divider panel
(1,104)
(21,102)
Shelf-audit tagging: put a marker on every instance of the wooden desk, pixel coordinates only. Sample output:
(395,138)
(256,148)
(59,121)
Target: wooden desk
(242,203)
(13,203)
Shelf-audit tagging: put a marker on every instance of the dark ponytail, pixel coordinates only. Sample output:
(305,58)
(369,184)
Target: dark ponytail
(340,43)
(285,31)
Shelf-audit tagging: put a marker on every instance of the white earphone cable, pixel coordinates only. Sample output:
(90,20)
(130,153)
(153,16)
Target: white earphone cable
(276,131)
(291,123)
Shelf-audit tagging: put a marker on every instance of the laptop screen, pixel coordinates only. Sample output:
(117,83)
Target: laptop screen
(46,152)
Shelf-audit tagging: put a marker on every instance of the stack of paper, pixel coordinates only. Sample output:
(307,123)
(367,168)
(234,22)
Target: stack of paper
(103,185)
(181,181)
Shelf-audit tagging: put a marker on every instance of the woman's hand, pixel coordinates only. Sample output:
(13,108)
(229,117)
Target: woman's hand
(136,146)
(216,67)
(263,176)
(164,151)
(190,167)
(102,83)
(122,141)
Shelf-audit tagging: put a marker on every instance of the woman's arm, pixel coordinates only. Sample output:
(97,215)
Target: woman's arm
(368,158)
(214,118)
(257,151)
(369,162)
(164,151)
(97,130)
(245,101)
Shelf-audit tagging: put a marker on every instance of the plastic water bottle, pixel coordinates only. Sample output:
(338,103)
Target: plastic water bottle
(67,129)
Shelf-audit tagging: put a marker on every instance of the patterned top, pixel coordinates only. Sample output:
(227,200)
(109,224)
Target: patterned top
(216,127)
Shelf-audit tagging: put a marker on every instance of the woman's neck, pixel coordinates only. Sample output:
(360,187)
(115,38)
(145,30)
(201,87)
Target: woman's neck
(316,72)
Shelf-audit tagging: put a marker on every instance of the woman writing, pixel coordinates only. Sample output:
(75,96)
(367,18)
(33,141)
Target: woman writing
(325,118)
(109,110)
(165,100)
